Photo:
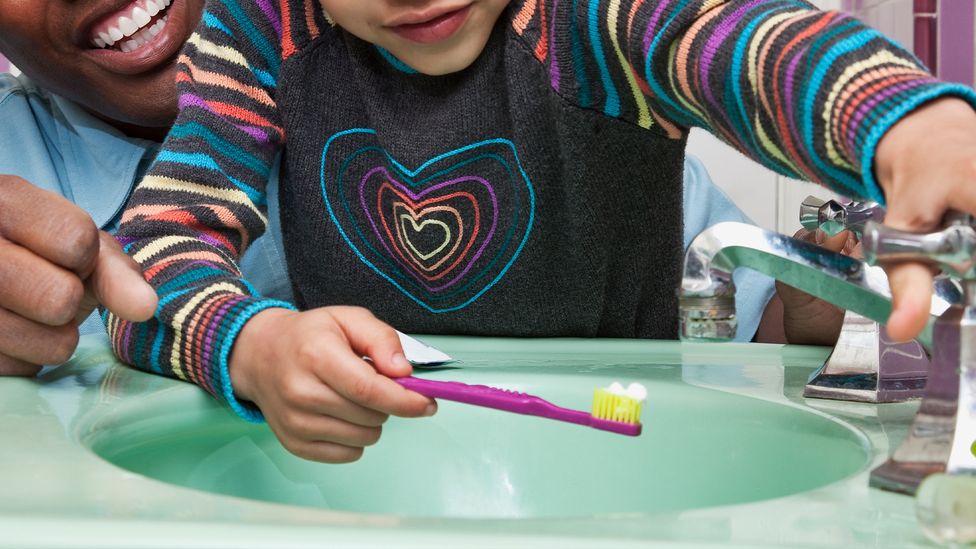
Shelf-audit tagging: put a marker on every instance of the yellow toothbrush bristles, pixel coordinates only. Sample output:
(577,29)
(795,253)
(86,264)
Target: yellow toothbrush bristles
(622,408)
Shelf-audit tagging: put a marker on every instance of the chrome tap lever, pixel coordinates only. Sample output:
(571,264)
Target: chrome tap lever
(953,248)
(832,217)
(943,434)
(865,365)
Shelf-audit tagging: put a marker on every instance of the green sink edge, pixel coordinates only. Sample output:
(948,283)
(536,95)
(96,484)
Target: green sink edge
(146,513)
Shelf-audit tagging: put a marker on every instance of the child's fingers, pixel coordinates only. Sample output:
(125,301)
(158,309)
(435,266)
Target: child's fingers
(914,208)
(325,452)
(320,428)
(315,396)
(353,378)
(369,336)
(911,290)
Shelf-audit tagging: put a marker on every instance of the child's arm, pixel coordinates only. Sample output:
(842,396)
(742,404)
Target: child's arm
(190,220)
(814,95)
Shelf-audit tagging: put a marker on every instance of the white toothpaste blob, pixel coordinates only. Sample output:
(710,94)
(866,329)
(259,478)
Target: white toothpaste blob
(635,391)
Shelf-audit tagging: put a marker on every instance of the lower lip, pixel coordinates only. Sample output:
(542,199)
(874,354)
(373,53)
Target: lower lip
(435,30)
(160,50)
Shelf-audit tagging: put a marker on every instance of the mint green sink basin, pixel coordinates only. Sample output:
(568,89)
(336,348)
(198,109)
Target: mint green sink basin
(701,447)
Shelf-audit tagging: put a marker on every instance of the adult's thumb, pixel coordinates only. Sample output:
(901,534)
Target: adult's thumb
(118,285)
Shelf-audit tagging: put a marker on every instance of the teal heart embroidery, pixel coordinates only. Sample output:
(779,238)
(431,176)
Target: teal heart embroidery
(443,233)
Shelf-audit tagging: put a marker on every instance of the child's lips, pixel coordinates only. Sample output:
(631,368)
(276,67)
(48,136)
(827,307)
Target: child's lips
(431,29)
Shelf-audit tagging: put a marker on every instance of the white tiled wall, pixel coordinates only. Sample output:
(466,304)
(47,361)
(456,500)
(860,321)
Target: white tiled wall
(771,200)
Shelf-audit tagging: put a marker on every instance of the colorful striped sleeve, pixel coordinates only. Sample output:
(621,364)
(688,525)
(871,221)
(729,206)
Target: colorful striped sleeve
(805,92)
(203,200)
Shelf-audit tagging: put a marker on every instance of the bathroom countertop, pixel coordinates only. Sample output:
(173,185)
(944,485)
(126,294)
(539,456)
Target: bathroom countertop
(57,493)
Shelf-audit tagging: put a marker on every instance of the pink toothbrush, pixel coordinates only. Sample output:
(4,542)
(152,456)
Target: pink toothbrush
(612,411)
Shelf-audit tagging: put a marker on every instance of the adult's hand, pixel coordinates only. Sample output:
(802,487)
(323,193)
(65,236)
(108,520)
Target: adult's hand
(55,268)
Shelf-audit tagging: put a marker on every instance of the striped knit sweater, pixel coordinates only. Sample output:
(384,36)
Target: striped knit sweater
(806,93)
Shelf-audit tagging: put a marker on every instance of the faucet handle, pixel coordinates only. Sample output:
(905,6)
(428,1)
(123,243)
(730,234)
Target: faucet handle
(953,249)
(832,217)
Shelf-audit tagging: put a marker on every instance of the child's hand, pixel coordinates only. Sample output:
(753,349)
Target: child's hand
(808,320)
(305,372)
(926,164)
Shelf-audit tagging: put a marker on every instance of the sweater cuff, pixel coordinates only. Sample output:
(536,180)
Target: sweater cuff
(895,113)
(227,331)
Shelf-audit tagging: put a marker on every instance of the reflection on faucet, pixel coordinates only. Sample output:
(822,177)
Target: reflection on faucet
(945,426)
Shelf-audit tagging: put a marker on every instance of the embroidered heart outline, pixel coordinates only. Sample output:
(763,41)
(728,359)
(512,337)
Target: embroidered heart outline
(458,223)
(506,246)
(404,235)
(410,196)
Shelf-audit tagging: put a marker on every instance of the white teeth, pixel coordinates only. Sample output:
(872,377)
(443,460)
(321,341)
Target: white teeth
(136,27)
(127,26)
(142,37)
(140,17)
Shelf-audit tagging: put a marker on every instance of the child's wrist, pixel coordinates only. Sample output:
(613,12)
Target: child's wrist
(895,147)
(249,349)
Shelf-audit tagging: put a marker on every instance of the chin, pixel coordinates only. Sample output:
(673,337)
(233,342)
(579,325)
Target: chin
(439,64)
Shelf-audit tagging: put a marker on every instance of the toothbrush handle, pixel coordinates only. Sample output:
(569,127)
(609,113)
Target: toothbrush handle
(492,397)
(510,401)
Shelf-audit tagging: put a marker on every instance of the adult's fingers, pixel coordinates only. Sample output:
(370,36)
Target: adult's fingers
(17,368)
(118,284)
(35,288)
(35,343)
(48,225)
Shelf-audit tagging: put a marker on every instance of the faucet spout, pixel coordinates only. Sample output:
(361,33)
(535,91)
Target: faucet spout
(706,294)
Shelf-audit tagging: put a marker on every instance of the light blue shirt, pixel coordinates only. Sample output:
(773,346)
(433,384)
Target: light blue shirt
(58,146)
(705,205)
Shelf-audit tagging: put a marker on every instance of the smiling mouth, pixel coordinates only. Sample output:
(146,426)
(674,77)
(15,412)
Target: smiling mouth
(132,27)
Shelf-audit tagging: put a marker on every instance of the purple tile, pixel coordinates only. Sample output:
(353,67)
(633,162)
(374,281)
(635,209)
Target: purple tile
(956,21)
(924,6)
(926,45)
(4,64)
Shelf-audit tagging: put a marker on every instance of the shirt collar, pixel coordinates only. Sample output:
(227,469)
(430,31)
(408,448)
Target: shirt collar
(103,163)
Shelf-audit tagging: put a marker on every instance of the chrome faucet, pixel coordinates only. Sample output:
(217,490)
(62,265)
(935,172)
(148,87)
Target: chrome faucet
(943,434)
(707,295)
(946,423)
(865,365)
